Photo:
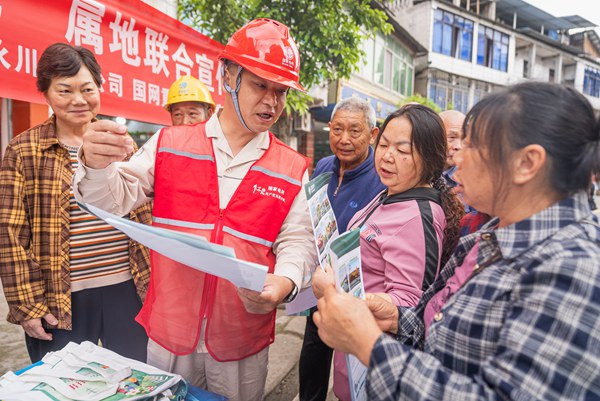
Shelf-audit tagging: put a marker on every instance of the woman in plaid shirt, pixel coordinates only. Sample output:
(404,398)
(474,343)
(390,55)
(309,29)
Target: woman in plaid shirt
(515,313)
(67,276)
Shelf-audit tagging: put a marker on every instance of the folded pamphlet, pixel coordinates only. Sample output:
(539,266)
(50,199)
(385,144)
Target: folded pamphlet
(86,372)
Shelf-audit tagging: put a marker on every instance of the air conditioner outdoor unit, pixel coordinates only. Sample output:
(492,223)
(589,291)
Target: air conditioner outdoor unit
(303,122)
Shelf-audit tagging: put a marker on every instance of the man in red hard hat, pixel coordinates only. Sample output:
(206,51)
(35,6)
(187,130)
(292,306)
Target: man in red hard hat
(234,183)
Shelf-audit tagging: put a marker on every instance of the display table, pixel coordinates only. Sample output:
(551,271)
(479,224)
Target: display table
(193,393)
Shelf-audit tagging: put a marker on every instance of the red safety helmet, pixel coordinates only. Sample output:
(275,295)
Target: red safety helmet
(265,48)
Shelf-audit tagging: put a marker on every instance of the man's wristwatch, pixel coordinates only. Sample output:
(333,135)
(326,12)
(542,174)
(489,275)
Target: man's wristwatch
(291,296)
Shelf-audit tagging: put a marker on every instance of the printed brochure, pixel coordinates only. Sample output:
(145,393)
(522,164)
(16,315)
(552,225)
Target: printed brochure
(345,262)
(340,253)
(86,372)
(325,230)
(190,250)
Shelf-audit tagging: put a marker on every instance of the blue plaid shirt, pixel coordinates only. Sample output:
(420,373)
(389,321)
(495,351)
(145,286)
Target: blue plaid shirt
(525,326)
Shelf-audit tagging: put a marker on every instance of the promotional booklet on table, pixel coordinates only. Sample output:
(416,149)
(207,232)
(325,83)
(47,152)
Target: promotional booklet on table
(88,372)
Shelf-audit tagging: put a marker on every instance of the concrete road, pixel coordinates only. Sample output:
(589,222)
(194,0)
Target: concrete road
(13,354)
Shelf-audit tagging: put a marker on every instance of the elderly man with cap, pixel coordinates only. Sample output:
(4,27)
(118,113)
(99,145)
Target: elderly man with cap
(189,101)
(234,183)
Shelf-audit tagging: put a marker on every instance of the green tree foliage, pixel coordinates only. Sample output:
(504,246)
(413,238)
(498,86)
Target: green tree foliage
(328,32)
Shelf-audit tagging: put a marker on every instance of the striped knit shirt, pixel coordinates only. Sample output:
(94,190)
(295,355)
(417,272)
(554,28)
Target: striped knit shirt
(99,254)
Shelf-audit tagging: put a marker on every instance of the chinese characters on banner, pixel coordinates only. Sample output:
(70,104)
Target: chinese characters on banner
(141,51)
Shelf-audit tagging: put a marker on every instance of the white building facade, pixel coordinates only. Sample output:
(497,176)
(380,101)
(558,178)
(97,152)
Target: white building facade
(476,46)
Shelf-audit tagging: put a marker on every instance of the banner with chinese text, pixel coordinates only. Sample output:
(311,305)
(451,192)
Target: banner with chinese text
(141,51)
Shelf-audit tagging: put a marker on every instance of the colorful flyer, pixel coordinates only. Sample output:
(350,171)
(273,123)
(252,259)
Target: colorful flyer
(345,262)
(325,230)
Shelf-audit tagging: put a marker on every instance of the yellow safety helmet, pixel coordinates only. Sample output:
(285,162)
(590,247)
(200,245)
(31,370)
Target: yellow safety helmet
(189,89)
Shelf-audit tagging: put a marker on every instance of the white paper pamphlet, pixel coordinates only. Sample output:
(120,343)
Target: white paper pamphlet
(346,265)
(86,372)
(340,253)
(191,250)
(325,229)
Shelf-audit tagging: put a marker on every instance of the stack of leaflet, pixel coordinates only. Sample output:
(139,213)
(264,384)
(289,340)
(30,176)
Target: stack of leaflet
(91,373)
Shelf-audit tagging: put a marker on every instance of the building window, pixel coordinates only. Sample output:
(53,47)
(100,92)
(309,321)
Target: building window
(553,34)
(460,98)
(438,92)
(492,48)
(551,75)
(388,64)
(591,82)
(525,68)
(480,91)
(448,93)
(452,35)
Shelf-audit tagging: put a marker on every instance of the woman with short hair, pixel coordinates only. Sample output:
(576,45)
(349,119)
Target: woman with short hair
(67,276)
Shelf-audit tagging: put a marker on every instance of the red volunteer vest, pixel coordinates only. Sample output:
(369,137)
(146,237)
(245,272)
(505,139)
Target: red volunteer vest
(187,199)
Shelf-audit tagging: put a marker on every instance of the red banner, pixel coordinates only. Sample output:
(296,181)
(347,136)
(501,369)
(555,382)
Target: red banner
(141,51)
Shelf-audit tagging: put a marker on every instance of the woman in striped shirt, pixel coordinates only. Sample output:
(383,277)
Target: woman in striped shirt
(67,276)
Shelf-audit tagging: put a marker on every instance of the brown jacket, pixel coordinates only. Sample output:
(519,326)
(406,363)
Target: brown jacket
(35,184)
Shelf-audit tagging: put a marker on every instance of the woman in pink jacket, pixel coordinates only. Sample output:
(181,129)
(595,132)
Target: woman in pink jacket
(411,228)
